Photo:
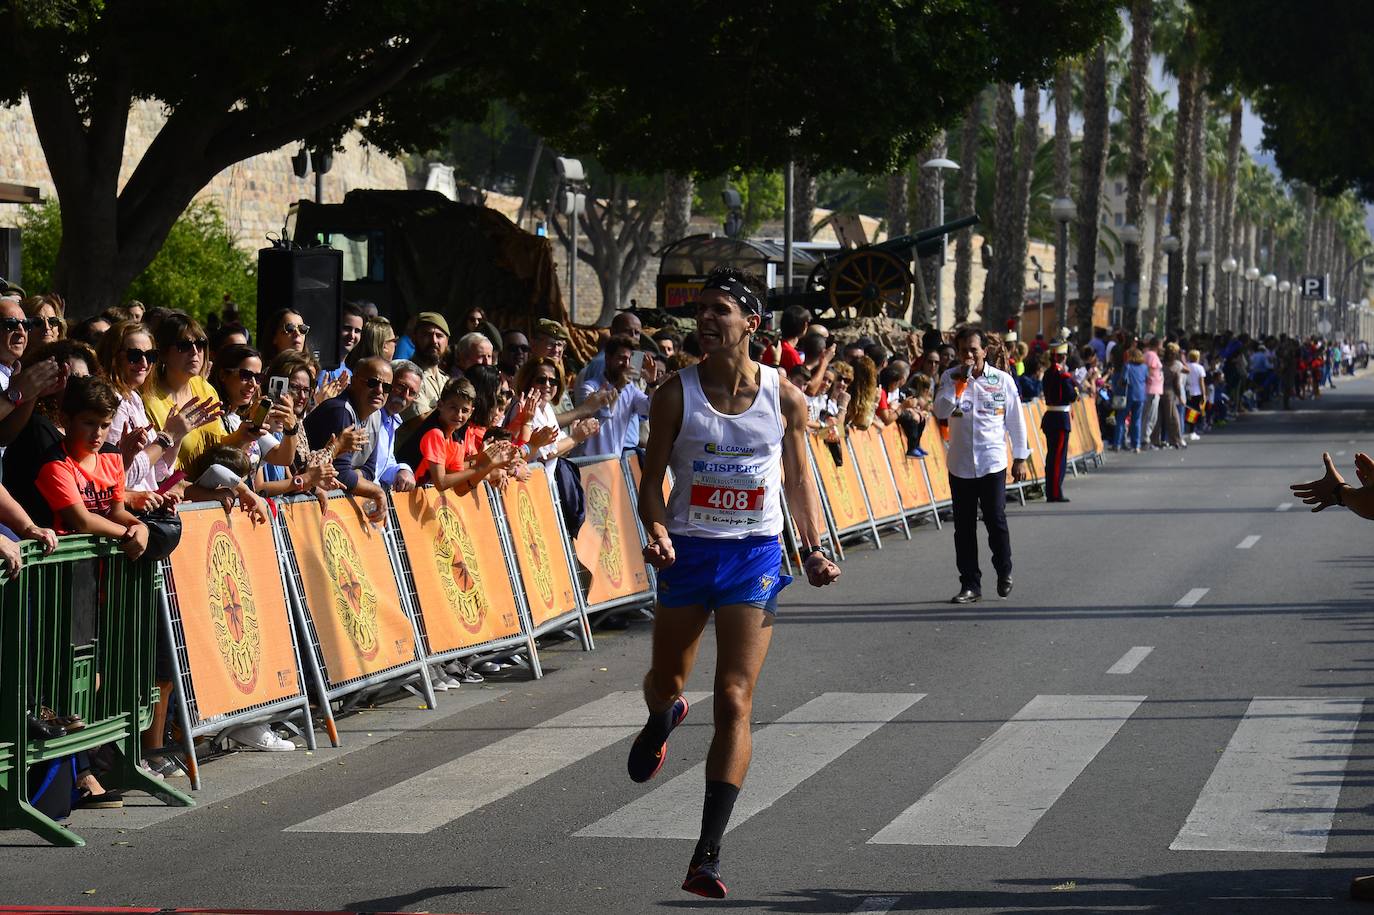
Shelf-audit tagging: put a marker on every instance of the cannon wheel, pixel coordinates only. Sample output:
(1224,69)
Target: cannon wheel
(869,283)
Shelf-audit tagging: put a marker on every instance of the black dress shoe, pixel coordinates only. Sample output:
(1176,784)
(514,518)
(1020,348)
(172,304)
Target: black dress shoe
(1004,586)
(967,596)
(44,730)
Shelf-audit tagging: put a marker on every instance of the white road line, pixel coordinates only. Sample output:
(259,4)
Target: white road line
(997,794)
(1192,597)
(1266,793)
(1131,660)
(877,905)
(441,795)
(1284,506)
(1248,542)
(786,753)
(1340,454)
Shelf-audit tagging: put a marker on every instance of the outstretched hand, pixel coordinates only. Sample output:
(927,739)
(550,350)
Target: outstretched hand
(1322,492)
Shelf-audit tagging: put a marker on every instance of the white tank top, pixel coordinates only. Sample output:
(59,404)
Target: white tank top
(727,470)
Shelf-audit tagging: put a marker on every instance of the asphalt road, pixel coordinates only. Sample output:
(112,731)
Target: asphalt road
(1166,717)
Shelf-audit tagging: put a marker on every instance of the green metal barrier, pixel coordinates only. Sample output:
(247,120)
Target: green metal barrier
(108,679)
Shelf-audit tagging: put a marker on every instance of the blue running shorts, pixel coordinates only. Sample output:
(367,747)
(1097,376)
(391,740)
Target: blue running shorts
(716,573)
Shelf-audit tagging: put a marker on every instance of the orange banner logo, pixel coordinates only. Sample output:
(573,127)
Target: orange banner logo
(538,551)
(355,600)
(233,611)
(456,559)
(600,518)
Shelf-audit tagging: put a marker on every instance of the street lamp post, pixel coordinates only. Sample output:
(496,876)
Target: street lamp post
(1130,237)
(1204,259)
(1284,303)
(940,165)
(1269,281)
(1039,294)
(1228,267)
(573,177)
(1252,275)
(1063,211)
(1173,308)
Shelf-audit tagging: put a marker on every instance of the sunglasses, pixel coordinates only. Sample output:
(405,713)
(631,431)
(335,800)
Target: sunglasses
(518,347)
(374,383)
(135,356)
(248,376)
(298,390)
(11,325)
(185,346)
(296,328)
(543,380)
(34,324)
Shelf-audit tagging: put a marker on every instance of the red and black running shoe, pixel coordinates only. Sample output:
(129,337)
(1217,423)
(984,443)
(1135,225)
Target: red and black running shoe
(646,760)
(703,877)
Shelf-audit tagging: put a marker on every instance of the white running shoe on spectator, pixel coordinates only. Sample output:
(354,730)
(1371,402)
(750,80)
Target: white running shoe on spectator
(260,737)
(1193,436)
(149,768)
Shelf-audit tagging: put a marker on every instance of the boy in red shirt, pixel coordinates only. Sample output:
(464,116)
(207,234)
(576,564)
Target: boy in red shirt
(83,478)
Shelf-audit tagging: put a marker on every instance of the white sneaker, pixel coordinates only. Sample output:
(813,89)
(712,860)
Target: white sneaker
(260,737)
(1194,437)
(438,679)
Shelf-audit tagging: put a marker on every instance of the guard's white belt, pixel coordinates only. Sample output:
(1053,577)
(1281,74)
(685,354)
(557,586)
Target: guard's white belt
(1057,408)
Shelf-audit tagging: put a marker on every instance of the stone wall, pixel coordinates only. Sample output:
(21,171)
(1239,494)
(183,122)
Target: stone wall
(254,194)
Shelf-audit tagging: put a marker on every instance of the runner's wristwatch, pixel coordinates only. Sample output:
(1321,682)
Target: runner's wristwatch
(808,551)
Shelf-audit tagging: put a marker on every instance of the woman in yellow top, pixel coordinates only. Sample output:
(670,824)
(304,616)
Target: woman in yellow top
(179,379)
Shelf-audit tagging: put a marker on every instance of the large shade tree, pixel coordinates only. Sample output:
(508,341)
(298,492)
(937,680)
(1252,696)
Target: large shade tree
(695,86)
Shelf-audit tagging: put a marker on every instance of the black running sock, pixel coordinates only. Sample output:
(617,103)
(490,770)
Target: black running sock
(659,724)
(715,816)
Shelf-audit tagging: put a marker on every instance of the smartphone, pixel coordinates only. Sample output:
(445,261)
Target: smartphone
(637,363)
(276,387)
(260,413)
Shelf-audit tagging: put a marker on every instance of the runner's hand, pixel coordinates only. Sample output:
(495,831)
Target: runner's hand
(659,552)
(820,571)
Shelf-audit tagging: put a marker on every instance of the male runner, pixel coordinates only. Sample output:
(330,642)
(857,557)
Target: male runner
(731,430)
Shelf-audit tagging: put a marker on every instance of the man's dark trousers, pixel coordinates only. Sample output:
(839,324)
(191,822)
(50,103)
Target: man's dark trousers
(1056,462)
(990,493)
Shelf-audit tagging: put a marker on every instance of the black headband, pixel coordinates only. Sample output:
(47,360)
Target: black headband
(742,294)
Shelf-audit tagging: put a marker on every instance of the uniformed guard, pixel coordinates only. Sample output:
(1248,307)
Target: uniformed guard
(1060,393)
(984,411)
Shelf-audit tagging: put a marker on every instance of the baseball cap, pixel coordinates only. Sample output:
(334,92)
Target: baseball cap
(551,328)
(432,317)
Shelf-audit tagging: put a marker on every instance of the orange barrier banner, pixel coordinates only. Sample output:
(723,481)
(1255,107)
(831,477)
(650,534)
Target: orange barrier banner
(608,543)
(1081,436)
(533,520)
(462,585)
(233,613)
(637,473)
(911,483)
(867,448)
(349,589)
(841,485)
(936,464)
(1040,445)
(1094,426)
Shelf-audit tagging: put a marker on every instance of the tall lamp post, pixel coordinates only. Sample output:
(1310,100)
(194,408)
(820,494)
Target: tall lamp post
(573,177)
(1284,309)
(940,165)
(1173,308)
(1063,211)
(1252,274)
(1130,304)
(1039,294)
(1269,281)
(1205,304)
(1228,267)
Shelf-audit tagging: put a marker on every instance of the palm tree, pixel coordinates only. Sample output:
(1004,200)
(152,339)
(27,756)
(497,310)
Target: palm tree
(1142,25)
(1093,169)
(968,190)
(1176,32)
(928,213)
(1063,105)
(1159,183)
(1197,192)
(1227,233)
(1025,175)
(996,291)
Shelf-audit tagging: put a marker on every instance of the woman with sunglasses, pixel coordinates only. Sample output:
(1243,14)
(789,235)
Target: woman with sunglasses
(538,386)
(46,324)
(289,331)
(307,471)
(127,358)
(266,437)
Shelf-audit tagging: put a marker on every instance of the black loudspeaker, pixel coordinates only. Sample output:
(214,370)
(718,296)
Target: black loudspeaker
(10,261)
(309,281)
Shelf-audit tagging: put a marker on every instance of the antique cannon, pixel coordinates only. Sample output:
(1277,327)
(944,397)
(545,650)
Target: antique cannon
(869,281)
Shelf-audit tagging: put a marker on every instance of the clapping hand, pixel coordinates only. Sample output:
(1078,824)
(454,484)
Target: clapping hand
(584,429)
(133,440)
(1322,492)
(543,437)
(334,387)
(192,415)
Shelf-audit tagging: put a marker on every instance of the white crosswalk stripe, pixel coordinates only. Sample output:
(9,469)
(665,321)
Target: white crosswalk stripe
(997,794)
(786,753)
(1263,794)
(443,794)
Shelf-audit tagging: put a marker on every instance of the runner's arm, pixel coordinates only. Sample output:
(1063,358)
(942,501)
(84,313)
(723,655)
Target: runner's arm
(799,487)
(665,419)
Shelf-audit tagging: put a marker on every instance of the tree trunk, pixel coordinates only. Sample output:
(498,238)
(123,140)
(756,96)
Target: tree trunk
(1142,22)
(998,292)
(968,193)
(1094,172)
(1196,206)
(677,206)
(621,240)
(1063,160)
(1178,207)
(1025,173)
(1157,256)
(1309,224)
(803,203)
(929,198)
(1227,248)
(1211,295)
(898,190)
